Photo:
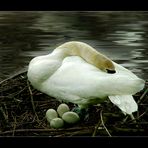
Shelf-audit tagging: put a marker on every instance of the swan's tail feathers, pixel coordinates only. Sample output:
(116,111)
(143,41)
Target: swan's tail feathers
(125,102)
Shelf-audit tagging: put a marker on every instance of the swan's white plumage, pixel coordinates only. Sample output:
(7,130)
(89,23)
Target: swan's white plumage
(126,103)
(72,79)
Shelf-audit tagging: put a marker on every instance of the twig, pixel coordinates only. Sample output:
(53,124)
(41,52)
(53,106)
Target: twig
(13,76)
(14,126)
(103,124)
(124,120)
(32,102)
(4,114)
(141,115)
(96,128)
(20,91)
(142,96)
(70,130)
(128,130)
(133,118)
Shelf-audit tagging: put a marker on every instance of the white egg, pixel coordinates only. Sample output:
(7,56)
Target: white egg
(51,114)
(56,123)
(70,117)
(62,108)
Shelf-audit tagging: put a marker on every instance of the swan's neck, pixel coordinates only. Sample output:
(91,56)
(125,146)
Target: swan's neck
(86,52)
(42,68)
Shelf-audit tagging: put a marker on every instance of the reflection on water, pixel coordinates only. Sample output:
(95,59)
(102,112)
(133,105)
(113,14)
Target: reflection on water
(129,38)
(122,36)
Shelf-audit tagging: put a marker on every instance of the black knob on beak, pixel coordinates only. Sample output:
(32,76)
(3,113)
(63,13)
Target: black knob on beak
(110,71)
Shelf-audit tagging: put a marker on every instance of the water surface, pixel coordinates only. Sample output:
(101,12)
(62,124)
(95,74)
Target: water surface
(122,36)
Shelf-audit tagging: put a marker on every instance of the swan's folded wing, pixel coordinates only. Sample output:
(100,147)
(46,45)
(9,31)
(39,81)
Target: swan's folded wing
(125,102)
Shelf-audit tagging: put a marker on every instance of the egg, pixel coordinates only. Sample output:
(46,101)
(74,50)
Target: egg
(56,123)
(51,114)
(70,117)
(62,108)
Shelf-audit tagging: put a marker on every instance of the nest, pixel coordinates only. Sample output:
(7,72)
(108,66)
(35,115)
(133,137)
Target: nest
(23,108)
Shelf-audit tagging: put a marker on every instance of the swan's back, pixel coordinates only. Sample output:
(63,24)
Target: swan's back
(81,83)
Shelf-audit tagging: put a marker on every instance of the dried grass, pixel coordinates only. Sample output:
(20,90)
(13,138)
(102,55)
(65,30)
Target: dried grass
(23,108)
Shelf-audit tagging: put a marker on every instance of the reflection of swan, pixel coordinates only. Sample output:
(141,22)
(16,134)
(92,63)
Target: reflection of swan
(75,72)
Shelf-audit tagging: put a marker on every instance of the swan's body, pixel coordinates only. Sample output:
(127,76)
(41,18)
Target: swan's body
(73,78)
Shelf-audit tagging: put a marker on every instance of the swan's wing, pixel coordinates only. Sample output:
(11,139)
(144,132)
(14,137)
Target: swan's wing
(77,81)
(76,76)
(125,102)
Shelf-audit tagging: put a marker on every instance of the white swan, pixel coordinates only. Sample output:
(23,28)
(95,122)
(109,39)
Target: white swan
(75,72)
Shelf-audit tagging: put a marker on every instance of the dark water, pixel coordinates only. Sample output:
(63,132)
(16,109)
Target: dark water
(122,36)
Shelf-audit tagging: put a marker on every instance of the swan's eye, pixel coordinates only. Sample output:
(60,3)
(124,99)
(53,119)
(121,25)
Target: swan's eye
(110,71)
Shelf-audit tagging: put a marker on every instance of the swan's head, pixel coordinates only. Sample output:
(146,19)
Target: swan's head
(105,64)
(109,67)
